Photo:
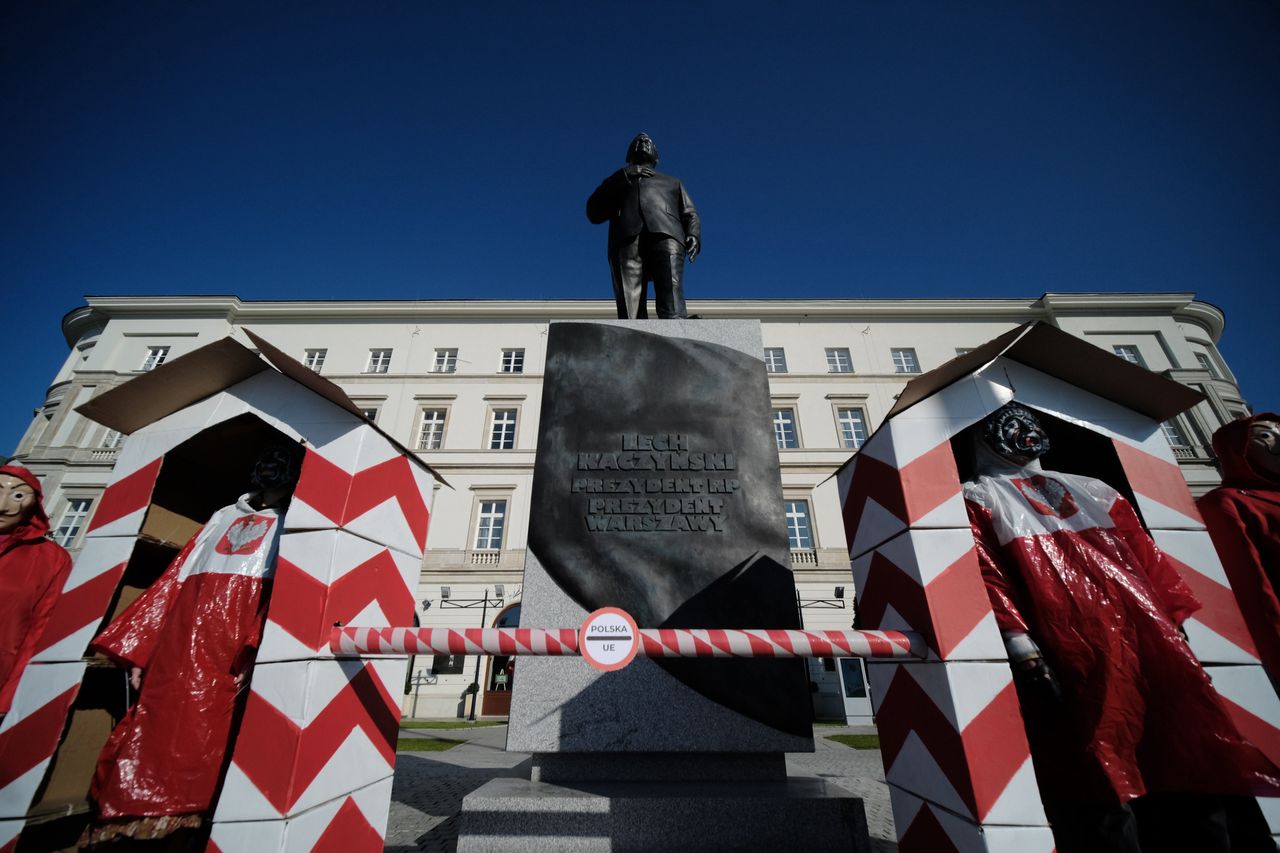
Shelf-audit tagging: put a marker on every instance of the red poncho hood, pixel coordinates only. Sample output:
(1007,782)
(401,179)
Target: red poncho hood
(1231,443)
(37,524)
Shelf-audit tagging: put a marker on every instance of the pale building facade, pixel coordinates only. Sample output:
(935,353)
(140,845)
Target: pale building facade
(460,382)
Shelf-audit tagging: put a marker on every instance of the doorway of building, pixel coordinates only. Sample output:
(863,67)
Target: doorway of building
(500,672)
(857,695)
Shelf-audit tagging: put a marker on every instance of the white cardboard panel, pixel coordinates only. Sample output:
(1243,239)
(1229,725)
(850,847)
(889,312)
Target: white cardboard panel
(374,801)
(1248,687)
(9,830)
(41,683)
(259,836)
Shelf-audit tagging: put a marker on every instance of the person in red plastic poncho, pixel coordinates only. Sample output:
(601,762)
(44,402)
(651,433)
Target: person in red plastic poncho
(1115,704)
(1243,516)
(189,642)
(32,572)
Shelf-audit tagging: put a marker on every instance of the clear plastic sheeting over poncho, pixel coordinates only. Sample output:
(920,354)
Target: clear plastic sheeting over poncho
(193,631)
(1066,561)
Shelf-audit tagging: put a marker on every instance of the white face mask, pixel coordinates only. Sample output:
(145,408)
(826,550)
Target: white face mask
(17,500)
(1263,449)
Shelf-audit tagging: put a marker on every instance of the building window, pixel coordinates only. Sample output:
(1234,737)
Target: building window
(369,413)
(799,532)
(1206,364)
(775,360)
(431,434)
(784,429)
(839,361)
(72,520)
(905,361)
(512,360)
(502,433)
(155,358)
(379,361)
(446,361)
(112,440)
(489,525)
(1129,353)
(314,359)
(447,664)
(1173,434)
(852,425)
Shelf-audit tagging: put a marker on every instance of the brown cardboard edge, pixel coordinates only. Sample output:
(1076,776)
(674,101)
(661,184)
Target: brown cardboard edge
(317,384)
(1062,355)
(927,384)
(173,386)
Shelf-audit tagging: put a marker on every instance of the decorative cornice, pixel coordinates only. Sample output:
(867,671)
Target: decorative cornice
(241,312)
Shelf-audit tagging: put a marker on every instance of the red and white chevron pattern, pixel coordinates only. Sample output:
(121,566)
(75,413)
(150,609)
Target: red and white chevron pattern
(313,732)
(317,729)
(30,731)
(952,738)
(935,829)
(1217,631)
(318,734)
(356,823)
(927,581)
(329,577)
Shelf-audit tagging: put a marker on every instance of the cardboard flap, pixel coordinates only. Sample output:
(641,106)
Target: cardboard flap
(303,375)
(1063,356)
(314,382)
(173,386)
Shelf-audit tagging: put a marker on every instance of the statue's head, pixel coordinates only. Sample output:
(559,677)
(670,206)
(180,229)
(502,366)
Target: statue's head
(642,151)
(1015,433)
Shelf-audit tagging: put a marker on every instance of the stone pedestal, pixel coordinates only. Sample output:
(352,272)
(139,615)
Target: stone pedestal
(657,490)
(792,814)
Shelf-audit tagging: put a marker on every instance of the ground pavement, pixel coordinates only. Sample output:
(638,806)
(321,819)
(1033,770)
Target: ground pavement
(429,786)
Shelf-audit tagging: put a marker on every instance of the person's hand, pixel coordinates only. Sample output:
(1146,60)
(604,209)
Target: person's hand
(1036,675)
(242,677)
(635,171)
(135,677)
(692,246)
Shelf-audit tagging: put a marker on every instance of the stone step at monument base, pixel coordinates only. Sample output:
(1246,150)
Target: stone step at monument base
(795,813)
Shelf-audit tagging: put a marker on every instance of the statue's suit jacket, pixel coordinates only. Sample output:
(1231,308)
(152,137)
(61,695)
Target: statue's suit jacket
(658,203)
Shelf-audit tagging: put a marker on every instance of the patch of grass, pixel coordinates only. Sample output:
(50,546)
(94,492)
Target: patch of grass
(424,744)
(857,741)
(448,724)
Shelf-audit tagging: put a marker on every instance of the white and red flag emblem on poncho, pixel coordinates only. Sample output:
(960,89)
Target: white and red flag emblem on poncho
(1047,496)
(244,535)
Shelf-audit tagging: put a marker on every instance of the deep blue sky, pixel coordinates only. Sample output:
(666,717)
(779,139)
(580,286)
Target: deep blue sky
(429,150)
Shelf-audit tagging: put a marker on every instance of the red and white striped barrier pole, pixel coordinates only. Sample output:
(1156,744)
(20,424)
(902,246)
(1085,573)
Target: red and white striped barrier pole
(654,642)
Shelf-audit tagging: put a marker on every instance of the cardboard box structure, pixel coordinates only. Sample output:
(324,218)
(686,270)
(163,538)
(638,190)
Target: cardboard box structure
(312,761)
(952,739)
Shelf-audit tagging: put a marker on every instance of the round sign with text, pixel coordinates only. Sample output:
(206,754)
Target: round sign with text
(609,639)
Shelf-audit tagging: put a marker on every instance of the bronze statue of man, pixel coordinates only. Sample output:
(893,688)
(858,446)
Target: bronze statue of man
(652,226)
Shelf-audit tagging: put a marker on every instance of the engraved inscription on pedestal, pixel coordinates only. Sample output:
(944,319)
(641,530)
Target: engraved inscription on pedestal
(655,484)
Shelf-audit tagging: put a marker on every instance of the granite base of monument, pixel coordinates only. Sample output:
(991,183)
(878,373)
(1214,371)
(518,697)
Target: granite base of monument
(658,491)
(800,814)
